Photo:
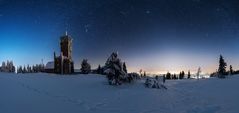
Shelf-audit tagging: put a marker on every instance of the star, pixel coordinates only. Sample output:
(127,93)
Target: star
(87,27)
(148,12)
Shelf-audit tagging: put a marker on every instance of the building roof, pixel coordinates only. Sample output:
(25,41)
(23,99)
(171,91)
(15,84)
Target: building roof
(50,65)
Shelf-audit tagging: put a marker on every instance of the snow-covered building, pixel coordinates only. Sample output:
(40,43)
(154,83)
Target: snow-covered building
(64,64)
(49,68)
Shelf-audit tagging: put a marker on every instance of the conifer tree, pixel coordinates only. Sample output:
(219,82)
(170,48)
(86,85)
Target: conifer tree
(85,67)
(20,69)
(24,69)
(222,67)
(168,75)
(189,75)
(174,76)
(183,74)
(114,70)
(231,70)
(125,68)
(99,70)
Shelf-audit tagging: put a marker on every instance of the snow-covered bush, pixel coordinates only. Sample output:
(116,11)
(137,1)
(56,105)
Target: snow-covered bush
(115,70)
(134,75)
(156,82)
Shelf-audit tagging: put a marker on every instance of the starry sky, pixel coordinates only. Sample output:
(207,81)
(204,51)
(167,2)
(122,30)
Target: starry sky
(154,35)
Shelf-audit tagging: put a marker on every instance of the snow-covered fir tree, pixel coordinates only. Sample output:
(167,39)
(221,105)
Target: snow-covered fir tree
(8,67)
(115,71)
(20,70)
(31,69)
(85,67)
(24,70)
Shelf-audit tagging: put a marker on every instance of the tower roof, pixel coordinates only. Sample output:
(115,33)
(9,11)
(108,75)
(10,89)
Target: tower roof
(66,36)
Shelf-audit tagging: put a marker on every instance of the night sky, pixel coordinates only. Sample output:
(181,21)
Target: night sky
(153,35)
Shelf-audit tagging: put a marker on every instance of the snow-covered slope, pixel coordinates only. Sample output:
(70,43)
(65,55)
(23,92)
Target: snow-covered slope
(49,93)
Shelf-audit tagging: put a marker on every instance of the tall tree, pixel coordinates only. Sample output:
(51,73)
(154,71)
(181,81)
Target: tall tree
(180,75)
(183,74)
(174,76)
(99,70)
(231,70)
(189,75)
(24,69)
(222,67)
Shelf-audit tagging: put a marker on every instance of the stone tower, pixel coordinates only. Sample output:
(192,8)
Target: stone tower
(64,64)
(66,46)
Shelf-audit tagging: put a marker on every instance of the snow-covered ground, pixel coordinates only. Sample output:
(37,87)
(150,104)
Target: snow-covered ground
(49,93)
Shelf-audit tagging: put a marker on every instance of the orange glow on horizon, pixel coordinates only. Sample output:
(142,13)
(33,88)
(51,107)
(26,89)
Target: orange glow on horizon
(205,70)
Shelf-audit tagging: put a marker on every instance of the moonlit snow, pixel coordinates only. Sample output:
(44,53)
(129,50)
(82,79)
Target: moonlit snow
(50,93)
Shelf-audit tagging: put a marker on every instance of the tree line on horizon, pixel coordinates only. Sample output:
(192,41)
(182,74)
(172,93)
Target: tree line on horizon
(174,76)
(31,69)
(116,70)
